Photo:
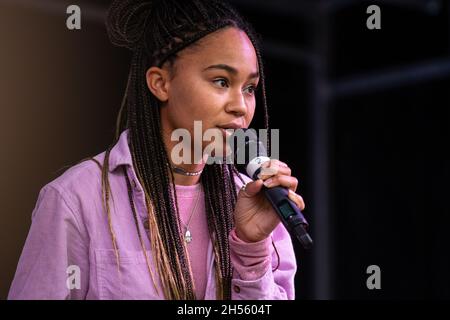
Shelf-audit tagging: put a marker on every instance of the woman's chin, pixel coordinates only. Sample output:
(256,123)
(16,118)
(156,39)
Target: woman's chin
(219,152)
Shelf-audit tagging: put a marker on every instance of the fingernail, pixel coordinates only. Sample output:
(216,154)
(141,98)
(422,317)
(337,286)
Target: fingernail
(267,172)
(268,182)
(261,173)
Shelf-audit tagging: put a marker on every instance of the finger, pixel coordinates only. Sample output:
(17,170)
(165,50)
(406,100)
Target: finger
(266,173)
(284,181)
(251,189)
(274,163)
(298,200)
(272,168)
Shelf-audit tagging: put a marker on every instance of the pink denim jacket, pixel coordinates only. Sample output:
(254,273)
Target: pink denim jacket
(69,234)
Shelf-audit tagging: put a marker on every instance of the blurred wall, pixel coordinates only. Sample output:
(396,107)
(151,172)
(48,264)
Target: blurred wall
(60,92)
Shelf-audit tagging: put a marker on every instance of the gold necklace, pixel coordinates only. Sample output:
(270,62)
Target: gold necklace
(187,232)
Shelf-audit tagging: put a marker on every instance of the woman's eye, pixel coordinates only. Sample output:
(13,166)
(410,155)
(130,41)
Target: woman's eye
(251,89)
(221,82)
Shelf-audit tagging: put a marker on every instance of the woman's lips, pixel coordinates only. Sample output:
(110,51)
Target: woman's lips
(231,125)
(226,131)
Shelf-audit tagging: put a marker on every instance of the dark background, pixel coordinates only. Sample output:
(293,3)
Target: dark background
(363,118)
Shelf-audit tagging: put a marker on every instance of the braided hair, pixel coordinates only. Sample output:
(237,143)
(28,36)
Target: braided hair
(155,31)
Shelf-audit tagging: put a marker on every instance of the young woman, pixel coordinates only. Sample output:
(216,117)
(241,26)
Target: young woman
(129,223)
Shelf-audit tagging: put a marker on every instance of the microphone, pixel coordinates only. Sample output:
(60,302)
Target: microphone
(251,153)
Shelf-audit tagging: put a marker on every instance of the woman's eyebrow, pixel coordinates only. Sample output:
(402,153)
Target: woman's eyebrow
(231,70)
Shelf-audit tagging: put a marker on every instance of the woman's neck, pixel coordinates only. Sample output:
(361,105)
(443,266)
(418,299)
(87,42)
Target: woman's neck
(185,180)
(181,175)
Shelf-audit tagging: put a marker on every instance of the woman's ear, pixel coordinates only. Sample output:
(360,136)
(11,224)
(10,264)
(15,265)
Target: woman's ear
(158,81)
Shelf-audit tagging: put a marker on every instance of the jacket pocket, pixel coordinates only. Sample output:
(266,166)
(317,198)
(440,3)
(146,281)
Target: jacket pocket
(130,281)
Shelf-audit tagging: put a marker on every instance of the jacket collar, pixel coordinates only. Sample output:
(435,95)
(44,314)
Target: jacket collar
(120,154)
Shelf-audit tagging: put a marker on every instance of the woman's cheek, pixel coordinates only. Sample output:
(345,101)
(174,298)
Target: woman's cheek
(250,114)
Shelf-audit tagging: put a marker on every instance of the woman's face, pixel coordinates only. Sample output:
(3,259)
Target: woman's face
(213,82)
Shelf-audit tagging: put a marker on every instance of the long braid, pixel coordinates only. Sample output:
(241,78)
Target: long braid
(147,142)
(155,31)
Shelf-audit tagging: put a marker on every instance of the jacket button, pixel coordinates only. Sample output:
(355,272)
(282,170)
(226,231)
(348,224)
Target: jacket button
(237,289)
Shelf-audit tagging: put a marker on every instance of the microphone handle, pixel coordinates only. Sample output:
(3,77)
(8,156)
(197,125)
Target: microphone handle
(290,215)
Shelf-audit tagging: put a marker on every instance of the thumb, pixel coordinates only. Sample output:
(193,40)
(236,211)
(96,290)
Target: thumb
(252,188)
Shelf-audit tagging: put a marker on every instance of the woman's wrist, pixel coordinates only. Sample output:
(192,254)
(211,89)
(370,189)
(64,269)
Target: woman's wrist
(241,235)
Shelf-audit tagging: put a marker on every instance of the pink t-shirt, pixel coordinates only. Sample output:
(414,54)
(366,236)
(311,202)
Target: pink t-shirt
(253,259)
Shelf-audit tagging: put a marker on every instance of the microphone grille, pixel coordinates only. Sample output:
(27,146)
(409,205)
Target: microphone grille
(247,146)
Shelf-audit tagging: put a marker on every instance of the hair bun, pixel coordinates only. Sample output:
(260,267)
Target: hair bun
(126,22)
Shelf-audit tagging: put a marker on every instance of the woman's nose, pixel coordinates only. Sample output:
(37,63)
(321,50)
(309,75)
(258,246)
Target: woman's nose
(237,105)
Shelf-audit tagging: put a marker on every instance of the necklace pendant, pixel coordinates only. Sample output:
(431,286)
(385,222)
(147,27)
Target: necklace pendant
(187,236)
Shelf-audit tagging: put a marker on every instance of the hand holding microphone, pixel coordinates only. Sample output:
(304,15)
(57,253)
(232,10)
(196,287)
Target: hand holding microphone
(255,218)
(269,199)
